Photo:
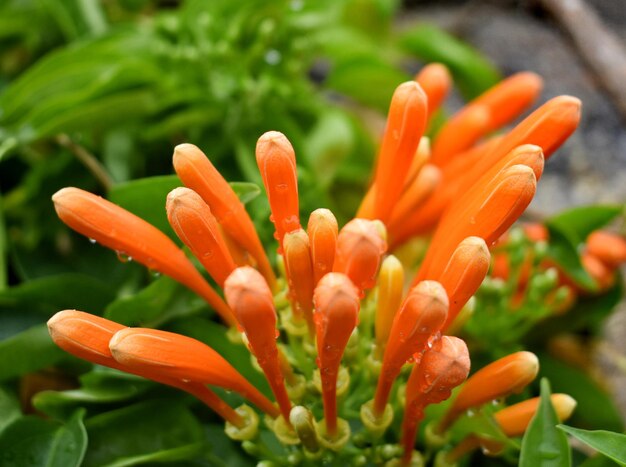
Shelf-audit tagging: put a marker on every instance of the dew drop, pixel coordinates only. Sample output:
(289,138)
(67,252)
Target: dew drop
(92,241)
(123,257)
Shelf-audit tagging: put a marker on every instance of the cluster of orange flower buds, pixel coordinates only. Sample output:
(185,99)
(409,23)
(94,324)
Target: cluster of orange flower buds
(467,191)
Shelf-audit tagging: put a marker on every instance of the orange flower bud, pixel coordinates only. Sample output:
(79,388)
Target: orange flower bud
(360,247)
(406,123)
(180,357)
(505,376)
(277,164)
(87,336)
(599,272)
(514,420)
(536,232)
(322,230)
(195,225)
(436,82)
(390,287)
(441,369)
(130,235)
(420,317)
(336,316)
(252,302)
(196,172)
(464,273)
(608,247)
(297,254)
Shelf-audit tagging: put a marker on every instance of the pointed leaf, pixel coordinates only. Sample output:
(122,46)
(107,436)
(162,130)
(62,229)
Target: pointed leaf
(612,445)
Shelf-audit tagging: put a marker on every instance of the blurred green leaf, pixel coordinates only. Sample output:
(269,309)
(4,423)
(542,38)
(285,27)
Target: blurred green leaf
(165,456)
(28,351)
(33,442)
(145,197)
(562,249)
(9,408)
(3,250)
(473,72)
(246,191)
(147,428)
(581,221)
(544,445)
(612,445)
(595,409)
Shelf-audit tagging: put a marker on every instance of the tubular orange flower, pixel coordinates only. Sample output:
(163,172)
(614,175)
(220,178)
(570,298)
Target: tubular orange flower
(505,376)
(196,172)
(277,164)
(252,302)
(182,358)
(436,82)
(514,420)
(420,317)
(406,123)
(322,230)
(299,268)
(195,225)
(441,369)
(608,247)
(336,316)
(130,235)
(87,336)
(360,247)
(601,273)
(464,273)
(390,285)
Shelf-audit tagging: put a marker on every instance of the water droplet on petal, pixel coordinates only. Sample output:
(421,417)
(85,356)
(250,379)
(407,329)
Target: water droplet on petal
(123,257)
(92,241)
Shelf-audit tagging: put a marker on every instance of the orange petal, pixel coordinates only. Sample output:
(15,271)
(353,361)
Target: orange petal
(336,316)
(514,419)
(390,288)
(251,300)
(87,336)
(299,268)
(360,247)
(421,316)
(196,172)
(182,358)
(436,82)
(322,230)
(441,369)
(277,164)
(406,123)
(505,376)
(195,225)
(464,273)
(608,247)
(414,196)
(130,235)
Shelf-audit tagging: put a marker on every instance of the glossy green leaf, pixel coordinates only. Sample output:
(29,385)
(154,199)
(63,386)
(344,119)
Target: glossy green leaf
(543,444)
(581,221)
(595,408)
(28,351)
(32,442)
(562,249)
(473,72)
(9,408)
(246,191)
(612,445)
(147,428)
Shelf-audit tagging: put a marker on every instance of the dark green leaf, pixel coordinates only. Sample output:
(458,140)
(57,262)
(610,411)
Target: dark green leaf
(3,250)
(168,456)
(145,198)
(246,191)
(543,445)
(28,351)
(581,221)
(34,442)
(562,249)
(612,445)
(9,408)
(142,429)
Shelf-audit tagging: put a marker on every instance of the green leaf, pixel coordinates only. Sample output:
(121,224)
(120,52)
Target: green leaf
(145,197)
(246,191)
(581,221)
(3,250)
(595,408)
(612,445)
(9,408)
(147,428)
(562,249)
(543,445)
(28,351)
(33,442)
(473,72)
(178,454)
